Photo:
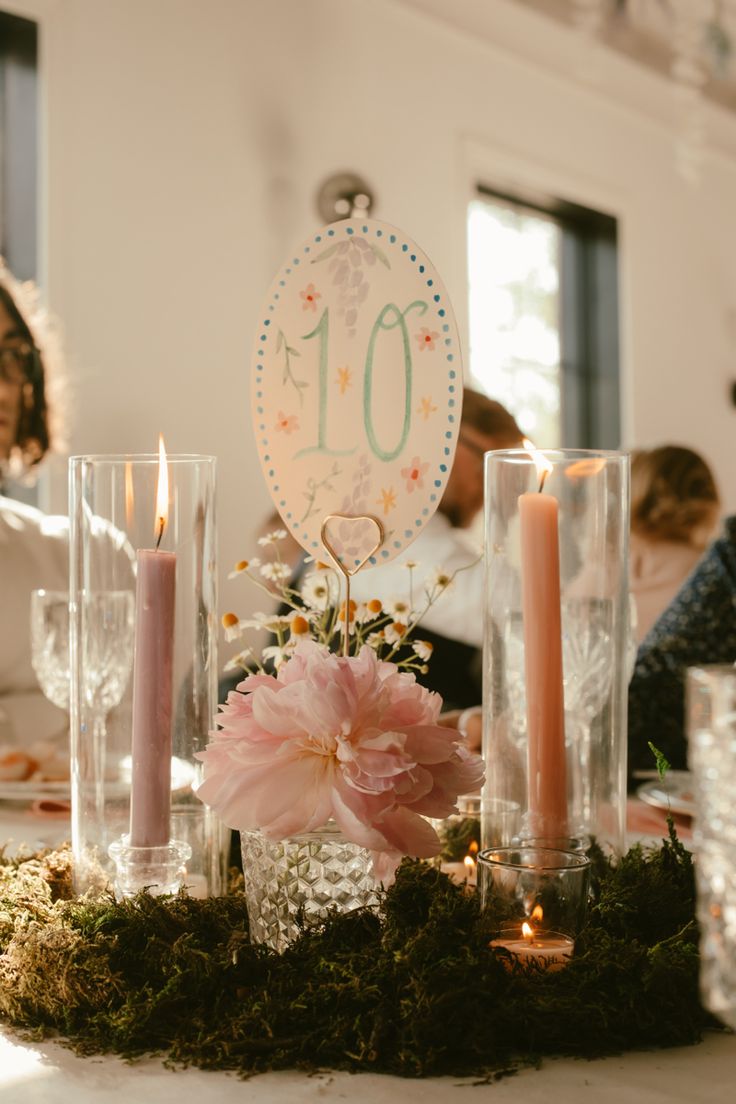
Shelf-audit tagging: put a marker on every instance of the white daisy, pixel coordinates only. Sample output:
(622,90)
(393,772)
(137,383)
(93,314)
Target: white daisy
(273,537)
(271,622)
(278,654)
(243,565)
(399,609)
(275,571)
(395,632)
(239,661)
(320,590)
(362,613)
(440,579)
(232,626)
(423,649)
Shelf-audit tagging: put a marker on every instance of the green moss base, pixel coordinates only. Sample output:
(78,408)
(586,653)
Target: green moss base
(414,991)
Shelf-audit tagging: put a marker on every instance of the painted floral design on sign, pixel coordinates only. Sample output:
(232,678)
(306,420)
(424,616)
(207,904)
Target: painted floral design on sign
(357,388)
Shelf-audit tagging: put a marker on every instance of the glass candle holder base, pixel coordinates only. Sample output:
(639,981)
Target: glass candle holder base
(540,949)
(534,900)
(158,870)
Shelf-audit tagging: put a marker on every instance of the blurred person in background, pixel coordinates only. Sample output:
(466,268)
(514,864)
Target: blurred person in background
(453,626)
(698,627)
(675,507)
(34,548)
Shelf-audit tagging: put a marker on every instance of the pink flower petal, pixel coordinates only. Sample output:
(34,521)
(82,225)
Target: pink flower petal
(349,738)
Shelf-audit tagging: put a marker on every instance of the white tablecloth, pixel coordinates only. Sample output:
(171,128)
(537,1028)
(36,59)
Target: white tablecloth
(46,1073)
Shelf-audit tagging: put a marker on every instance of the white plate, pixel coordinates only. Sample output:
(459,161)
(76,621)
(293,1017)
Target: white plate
(675,794)
(35,791)
(182,776)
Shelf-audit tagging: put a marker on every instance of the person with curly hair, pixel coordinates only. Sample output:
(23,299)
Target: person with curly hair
(34,547)
(675,507)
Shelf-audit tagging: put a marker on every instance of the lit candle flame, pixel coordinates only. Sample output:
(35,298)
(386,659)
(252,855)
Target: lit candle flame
(469,864)
(162,491)
(527,931)
(542,464)
(537,912)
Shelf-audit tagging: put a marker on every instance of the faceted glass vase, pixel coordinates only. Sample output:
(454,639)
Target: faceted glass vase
(309,873)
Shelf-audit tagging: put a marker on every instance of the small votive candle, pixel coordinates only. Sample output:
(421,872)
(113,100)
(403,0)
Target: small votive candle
(463,873)
(536,899)
(536,947)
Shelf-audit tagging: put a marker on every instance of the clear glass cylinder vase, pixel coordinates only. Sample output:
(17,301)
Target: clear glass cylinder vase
(556,645)
(307,874)
(143,646)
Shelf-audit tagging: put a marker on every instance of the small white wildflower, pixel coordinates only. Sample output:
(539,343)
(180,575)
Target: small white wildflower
(277,654)
(271,622)
(363,613)
(395,632)
(410,565)
(234,632)
(376,639)
(275,571)
(319,590)
(440,580)
(274,653)
(244,565)
(423,649)
(299,624)
(241,661)
(399,609)
(233,626)
(273,537)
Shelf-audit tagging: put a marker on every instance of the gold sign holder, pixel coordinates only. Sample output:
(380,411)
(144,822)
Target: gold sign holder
(346,571)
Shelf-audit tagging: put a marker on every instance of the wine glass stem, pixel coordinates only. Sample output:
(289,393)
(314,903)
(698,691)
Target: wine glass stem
(99,742)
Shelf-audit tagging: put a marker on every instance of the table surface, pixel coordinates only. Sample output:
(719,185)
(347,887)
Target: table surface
(48,1073)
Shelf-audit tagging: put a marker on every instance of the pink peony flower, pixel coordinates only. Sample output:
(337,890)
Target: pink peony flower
(348,738)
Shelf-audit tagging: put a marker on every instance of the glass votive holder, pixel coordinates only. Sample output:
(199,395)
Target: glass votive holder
(460,838)
(560,843)
(711,707)
(535,901)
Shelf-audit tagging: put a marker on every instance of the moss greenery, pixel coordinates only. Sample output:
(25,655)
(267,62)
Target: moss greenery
(414,990)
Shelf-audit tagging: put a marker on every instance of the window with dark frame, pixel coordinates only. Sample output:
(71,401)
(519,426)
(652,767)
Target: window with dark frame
(544,331)
(19,144)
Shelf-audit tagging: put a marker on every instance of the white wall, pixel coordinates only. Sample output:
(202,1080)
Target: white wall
(186,141)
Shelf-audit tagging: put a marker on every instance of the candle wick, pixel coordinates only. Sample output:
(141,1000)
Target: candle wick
(542,478)
(161,526)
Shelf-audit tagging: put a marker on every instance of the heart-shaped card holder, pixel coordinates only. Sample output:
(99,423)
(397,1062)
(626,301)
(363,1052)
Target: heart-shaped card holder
(350,541)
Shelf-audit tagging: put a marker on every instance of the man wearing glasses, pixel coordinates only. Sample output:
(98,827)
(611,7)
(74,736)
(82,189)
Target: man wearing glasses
(454,624)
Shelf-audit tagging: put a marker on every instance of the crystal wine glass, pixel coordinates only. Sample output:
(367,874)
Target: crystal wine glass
(107,642)
(50,644)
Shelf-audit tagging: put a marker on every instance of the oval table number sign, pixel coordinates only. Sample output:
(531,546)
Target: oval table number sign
(357,392)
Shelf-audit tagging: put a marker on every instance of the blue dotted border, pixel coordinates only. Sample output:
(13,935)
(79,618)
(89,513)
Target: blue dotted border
(381,230)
